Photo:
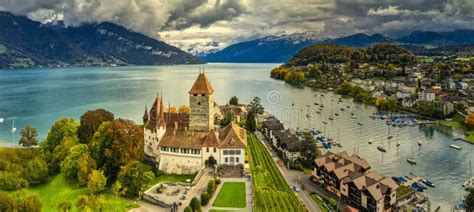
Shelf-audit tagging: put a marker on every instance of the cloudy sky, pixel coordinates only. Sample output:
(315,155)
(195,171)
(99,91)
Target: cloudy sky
(229,21)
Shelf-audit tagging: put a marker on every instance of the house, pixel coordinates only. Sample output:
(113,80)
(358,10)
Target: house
(462,85)
(271,125)
(408,102)
(379,83)
(180,143)
(450,86)
(356,81)
(402,94)
(426,95)
(289,144)
(349,177)
(437,89)
(446,106)
(376,94)
(239,112)
(369,88)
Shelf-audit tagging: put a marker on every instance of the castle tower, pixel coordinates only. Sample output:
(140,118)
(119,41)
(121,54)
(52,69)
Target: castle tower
(201,102)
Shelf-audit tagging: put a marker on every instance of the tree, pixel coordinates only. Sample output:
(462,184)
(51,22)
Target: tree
(212,161)
(229,117)
(184,109)
(31,204)
(62,128)
(469,121)
(188,209)
(256,105)
(65,206)
(134,178)
(97,181)
(29,136)
(250,122)
(60,153)
(116,144)
(77,163)
(86,202)
(117,189)
(204,198)
(90,122)
(234,101)
(211,186)
(36,171)
(195,204)
(469,199)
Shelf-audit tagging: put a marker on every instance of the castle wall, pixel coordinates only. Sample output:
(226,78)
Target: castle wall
(177,163)
(202,114)
(152,139)
(206,154)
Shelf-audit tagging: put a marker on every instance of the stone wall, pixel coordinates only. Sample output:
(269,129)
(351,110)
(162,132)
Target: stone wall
(202,114)
(180,164)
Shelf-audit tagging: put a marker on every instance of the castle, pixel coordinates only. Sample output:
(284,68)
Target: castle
(180,143)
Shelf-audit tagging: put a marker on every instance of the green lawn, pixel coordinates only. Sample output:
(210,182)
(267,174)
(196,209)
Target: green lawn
(170,178)
(454,124)
(59,189)
(232,195)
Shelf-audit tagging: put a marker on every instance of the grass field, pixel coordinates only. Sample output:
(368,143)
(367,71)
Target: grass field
(270,190)
(59,189)
(232,195)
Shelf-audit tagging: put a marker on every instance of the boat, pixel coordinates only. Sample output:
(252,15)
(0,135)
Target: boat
(411,161)
(454,146)
(469,184)
(370,141)
(398,144)
(354,117)
(389,137)
(13,130)
(2,120)
(427,182)
(380,148)
(307,115)
(318,112)
(331,118)
(336,114)
(325,122)
(360,123)
(348,106)
(420,142)
(316,103)
(342,109)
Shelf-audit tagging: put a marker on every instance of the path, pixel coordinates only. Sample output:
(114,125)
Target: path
(248,198)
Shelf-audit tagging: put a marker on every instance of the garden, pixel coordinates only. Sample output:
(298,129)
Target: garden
(232,195)
(271,192)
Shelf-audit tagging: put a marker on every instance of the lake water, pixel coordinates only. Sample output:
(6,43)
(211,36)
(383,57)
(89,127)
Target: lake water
(38,97)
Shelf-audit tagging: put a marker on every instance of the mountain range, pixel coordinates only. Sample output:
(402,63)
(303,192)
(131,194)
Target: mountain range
(27,43)
(282,48)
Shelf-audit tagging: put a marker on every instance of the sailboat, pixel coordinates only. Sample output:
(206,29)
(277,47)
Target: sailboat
(2,120)
(420,142)
(370,141)
(411,160)
(13,130)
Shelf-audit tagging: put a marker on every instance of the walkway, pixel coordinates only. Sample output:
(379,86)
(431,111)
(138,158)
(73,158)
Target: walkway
(248,198)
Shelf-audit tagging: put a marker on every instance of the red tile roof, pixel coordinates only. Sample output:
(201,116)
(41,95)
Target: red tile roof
(201,85)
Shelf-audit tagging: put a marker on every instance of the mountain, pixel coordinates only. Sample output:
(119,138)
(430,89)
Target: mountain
(459,36)
(263,50)
(200,49)
(27,43)
(282,48)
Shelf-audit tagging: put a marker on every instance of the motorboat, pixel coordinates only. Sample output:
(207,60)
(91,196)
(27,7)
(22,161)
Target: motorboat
(420,142)
(370,141)
(2,120)
(380,148)
(389,137)
(411,161)
(427,182)
(454,146)
(13,130)
(360,123)
(325,122)
(354,117)
(331,118)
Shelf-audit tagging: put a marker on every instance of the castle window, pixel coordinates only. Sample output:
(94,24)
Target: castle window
(214,150)
(195,95)
(203,94)
(226,152)
(207,149)
(199,103)
(237,152)
(237,159)
(226,160)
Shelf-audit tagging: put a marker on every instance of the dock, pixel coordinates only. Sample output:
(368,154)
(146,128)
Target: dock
(411,181)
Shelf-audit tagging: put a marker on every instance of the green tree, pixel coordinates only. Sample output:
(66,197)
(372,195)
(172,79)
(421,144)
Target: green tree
(115,144)
(234,101)
(90,122)
(204,198)
(86,202)
(188,209)
(36,171)
(469,199)
(250,122)
(60,153)
(76,162)
(117,189)
(62,128)
(134,178)
(97,181)
(65,206)
(184,109)
(29,136)
(30,204)
(257,105)
(229,117)
(85,165)
(195,204)
(211,186)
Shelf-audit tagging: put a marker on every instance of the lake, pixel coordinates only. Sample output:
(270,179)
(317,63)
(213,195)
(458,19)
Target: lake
(38,97)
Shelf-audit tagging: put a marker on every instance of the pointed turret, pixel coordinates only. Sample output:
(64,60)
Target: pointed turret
(146,116)
(202,85)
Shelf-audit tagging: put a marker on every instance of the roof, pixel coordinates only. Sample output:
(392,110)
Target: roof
(273,124)
(157,118)
(233,136)
(201,85)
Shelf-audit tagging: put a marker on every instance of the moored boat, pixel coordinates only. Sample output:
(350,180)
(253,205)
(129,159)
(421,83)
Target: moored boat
(411,161)
(454,146)
(360,123)
(380,148)
(427,182)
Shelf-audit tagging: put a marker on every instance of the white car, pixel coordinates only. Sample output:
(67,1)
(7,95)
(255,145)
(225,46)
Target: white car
(295,188)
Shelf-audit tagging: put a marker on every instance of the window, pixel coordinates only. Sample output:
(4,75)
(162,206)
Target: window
(203,94)
(231,152)
(226,152)
(237,152)
(195,95)
(207,149)
(199,103)
(214,150)
(226,160)
(237,159)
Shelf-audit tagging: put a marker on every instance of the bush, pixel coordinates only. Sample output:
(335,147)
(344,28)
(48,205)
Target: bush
(195,204)
(211,187)
(332,202)
(218,180)
(204,198)
(296,165)
(188,209)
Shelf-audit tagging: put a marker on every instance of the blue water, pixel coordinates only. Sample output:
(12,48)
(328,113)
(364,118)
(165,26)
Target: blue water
(38,97)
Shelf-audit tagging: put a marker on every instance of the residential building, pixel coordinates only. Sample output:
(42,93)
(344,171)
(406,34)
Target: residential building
(408,102)
(426,95)
(446,106)
(462,85)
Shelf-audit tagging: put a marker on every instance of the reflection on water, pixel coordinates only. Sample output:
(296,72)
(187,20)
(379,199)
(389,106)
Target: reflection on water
(41,96)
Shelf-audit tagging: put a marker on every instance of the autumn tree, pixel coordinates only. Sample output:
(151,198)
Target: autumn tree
(29,136)
(97,181)
(36,171)
(184,109)
(60,153)
(115,144)
(65,206)
(134,178)
(78,164)
(469,121)
(90,122)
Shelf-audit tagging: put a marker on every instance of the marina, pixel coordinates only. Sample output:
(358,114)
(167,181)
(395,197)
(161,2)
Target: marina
(123,89)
